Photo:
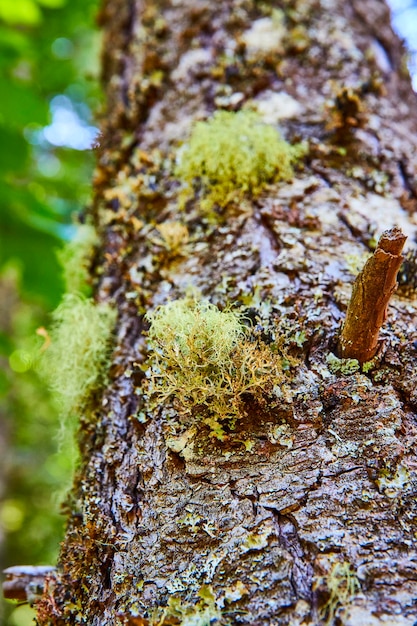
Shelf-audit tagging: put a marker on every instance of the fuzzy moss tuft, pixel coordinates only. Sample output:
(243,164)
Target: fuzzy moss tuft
(75,258)
(233,154)
(75,362)
(205,363)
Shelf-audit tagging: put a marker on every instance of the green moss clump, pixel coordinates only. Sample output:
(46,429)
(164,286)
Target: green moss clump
(233,154)
(204,362)
(75,362)
(75,258)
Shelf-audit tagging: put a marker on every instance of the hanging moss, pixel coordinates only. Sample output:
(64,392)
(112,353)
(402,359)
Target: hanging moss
(234,154)
(75,258)
(75,362)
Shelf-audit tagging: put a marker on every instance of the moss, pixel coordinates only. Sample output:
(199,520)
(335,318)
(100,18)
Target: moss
(76,359)
(203,360)
(233,154)
(75,258)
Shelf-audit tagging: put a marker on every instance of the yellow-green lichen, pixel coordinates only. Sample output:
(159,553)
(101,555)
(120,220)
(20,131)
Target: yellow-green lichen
(355,262)
(75,258)
(344,366)
(76,359)
(393,483)
(348,367)
(257,540)
(174,237)
(202,613)
(233,154)
(342,585)
(202,360)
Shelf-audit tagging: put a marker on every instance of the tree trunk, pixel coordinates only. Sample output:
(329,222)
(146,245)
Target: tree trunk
(302,509)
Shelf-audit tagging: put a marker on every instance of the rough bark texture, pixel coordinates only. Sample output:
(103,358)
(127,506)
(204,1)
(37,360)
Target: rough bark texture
(305,513)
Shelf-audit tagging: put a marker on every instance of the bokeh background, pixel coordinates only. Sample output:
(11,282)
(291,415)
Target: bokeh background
(49,89)
(49,101)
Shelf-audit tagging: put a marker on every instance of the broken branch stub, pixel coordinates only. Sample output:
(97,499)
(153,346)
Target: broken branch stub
(371,293)
(26,582)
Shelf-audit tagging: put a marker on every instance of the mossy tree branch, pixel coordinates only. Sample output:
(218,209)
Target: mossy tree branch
(272,521)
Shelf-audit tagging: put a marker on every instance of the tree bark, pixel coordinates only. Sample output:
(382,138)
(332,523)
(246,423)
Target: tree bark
(305,513)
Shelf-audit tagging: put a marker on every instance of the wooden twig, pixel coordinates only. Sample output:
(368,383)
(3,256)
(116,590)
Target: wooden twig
(25,582)
(371,293)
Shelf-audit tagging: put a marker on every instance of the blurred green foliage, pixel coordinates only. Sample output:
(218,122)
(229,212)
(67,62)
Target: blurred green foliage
(44,51)
(48,81)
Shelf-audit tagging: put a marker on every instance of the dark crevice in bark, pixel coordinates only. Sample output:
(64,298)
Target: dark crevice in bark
(302,570)
(410,181)
(357,231)
(347,470)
